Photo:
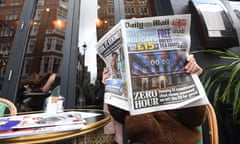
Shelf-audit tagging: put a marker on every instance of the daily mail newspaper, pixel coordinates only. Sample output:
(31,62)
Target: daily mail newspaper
(146,59)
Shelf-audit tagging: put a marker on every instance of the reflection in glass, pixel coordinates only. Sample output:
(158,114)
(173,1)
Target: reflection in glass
(44,50)
(9,17)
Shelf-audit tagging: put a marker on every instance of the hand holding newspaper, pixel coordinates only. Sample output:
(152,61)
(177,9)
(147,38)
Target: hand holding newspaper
(146,59)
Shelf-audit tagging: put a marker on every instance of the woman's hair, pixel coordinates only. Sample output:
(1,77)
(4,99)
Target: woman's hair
(115,53)
(33,81)
(33,77)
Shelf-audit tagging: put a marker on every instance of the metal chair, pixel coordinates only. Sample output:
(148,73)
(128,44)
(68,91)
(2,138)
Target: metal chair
(5,104)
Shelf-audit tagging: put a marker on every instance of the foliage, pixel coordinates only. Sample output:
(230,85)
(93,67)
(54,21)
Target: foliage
(223,79)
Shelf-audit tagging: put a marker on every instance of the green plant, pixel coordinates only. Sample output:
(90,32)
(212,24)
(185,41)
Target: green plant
(223,79)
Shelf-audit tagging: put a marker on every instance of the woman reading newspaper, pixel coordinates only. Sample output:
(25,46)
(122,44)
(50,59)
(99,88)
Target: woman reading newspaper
(163,127)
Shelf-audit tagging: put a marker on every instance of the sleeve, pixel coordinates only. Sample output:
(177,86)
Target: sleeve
(118,114)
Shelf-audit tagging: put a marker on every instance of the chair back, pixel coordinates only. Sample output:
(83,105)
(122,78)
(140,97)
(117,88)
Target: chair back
(5,104)
(212,127)
(212,124)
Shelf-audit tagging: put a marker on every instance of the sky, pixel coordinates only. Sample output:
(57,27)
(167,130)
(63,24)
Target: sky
(88,35)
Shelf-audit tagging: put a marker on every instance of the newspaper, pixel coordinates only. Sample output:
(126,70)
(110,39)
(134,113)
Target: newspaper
(236,8)
(146,59)
(42,123)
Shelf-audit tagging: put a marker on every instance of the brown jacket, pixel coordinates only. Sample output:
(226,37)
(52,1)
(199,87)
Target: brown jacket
(163,127)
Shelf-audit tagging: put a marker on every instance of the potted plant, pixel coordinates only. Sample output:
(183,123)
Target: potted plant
(222,83)
(224,78)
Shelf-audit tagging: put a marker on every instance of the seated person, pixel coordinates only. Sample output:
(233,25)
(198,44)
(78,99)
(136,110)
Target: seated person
(34,83)
(169,127)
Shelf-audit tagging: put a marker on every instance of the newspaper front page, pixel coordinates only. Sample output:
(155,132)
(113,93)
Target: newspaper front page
(146,59)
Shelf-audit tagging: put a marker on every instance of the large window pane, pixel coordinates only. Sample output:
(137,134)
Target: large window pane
(44,51)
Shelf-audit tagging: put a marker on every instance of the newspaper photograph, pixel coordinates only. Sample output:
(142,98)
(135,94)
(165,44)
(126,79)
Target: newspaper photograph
(150,55)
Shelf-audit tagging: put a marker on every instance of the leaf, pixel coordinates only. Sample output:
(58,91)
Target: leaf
(236,102)
(226,53)
(235,70)
(216,95)
(213,80)
(223,79)
(212,67)
(229,58)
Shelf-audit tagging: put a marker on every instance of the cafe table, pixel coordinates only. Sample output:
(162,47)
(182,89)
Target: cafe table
(92,124)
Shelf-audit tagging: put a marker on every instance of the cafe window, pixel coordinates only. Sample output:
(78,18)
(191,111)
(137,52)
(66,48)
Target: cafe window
(59,44)
(5,47)
(141,1)
(40,2)
(7,31)
(143,11)
(31,45)
(2,2)
(45,64)
(8,15)
(110,10)
(1,32)
(129,1)
(63,3)
(38,14)
(12,15)
(111,22)
(130,11)
(48,43)
(14,2)
(16,15)
(35,29)
(26,67)
(61,14)
(56,64)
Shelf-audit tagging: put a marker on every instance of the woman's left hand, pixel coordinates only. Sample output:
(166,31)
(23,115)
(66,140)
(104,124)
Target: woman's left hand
(192,66)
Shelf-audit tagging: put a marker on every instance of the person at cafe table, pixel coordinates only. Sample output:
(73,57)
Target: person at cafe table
(35,84)
(162,127)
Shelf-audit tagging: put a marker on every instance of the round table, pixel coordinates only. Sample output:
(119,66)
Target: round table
(92,124)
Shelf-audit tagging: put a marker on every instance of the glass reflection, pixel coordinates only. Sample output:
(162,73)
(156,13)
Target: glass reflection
(44,49)
(43,55)
(9,18)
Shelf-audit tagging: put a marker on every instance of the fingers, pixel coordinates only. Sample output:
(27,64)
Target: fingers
(106,75)
(192,66)
(105,70)
(198,70)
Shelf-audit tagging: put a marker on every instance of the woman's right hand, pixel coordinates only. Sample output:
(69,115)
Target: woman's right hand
(27,87)
(106,75)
